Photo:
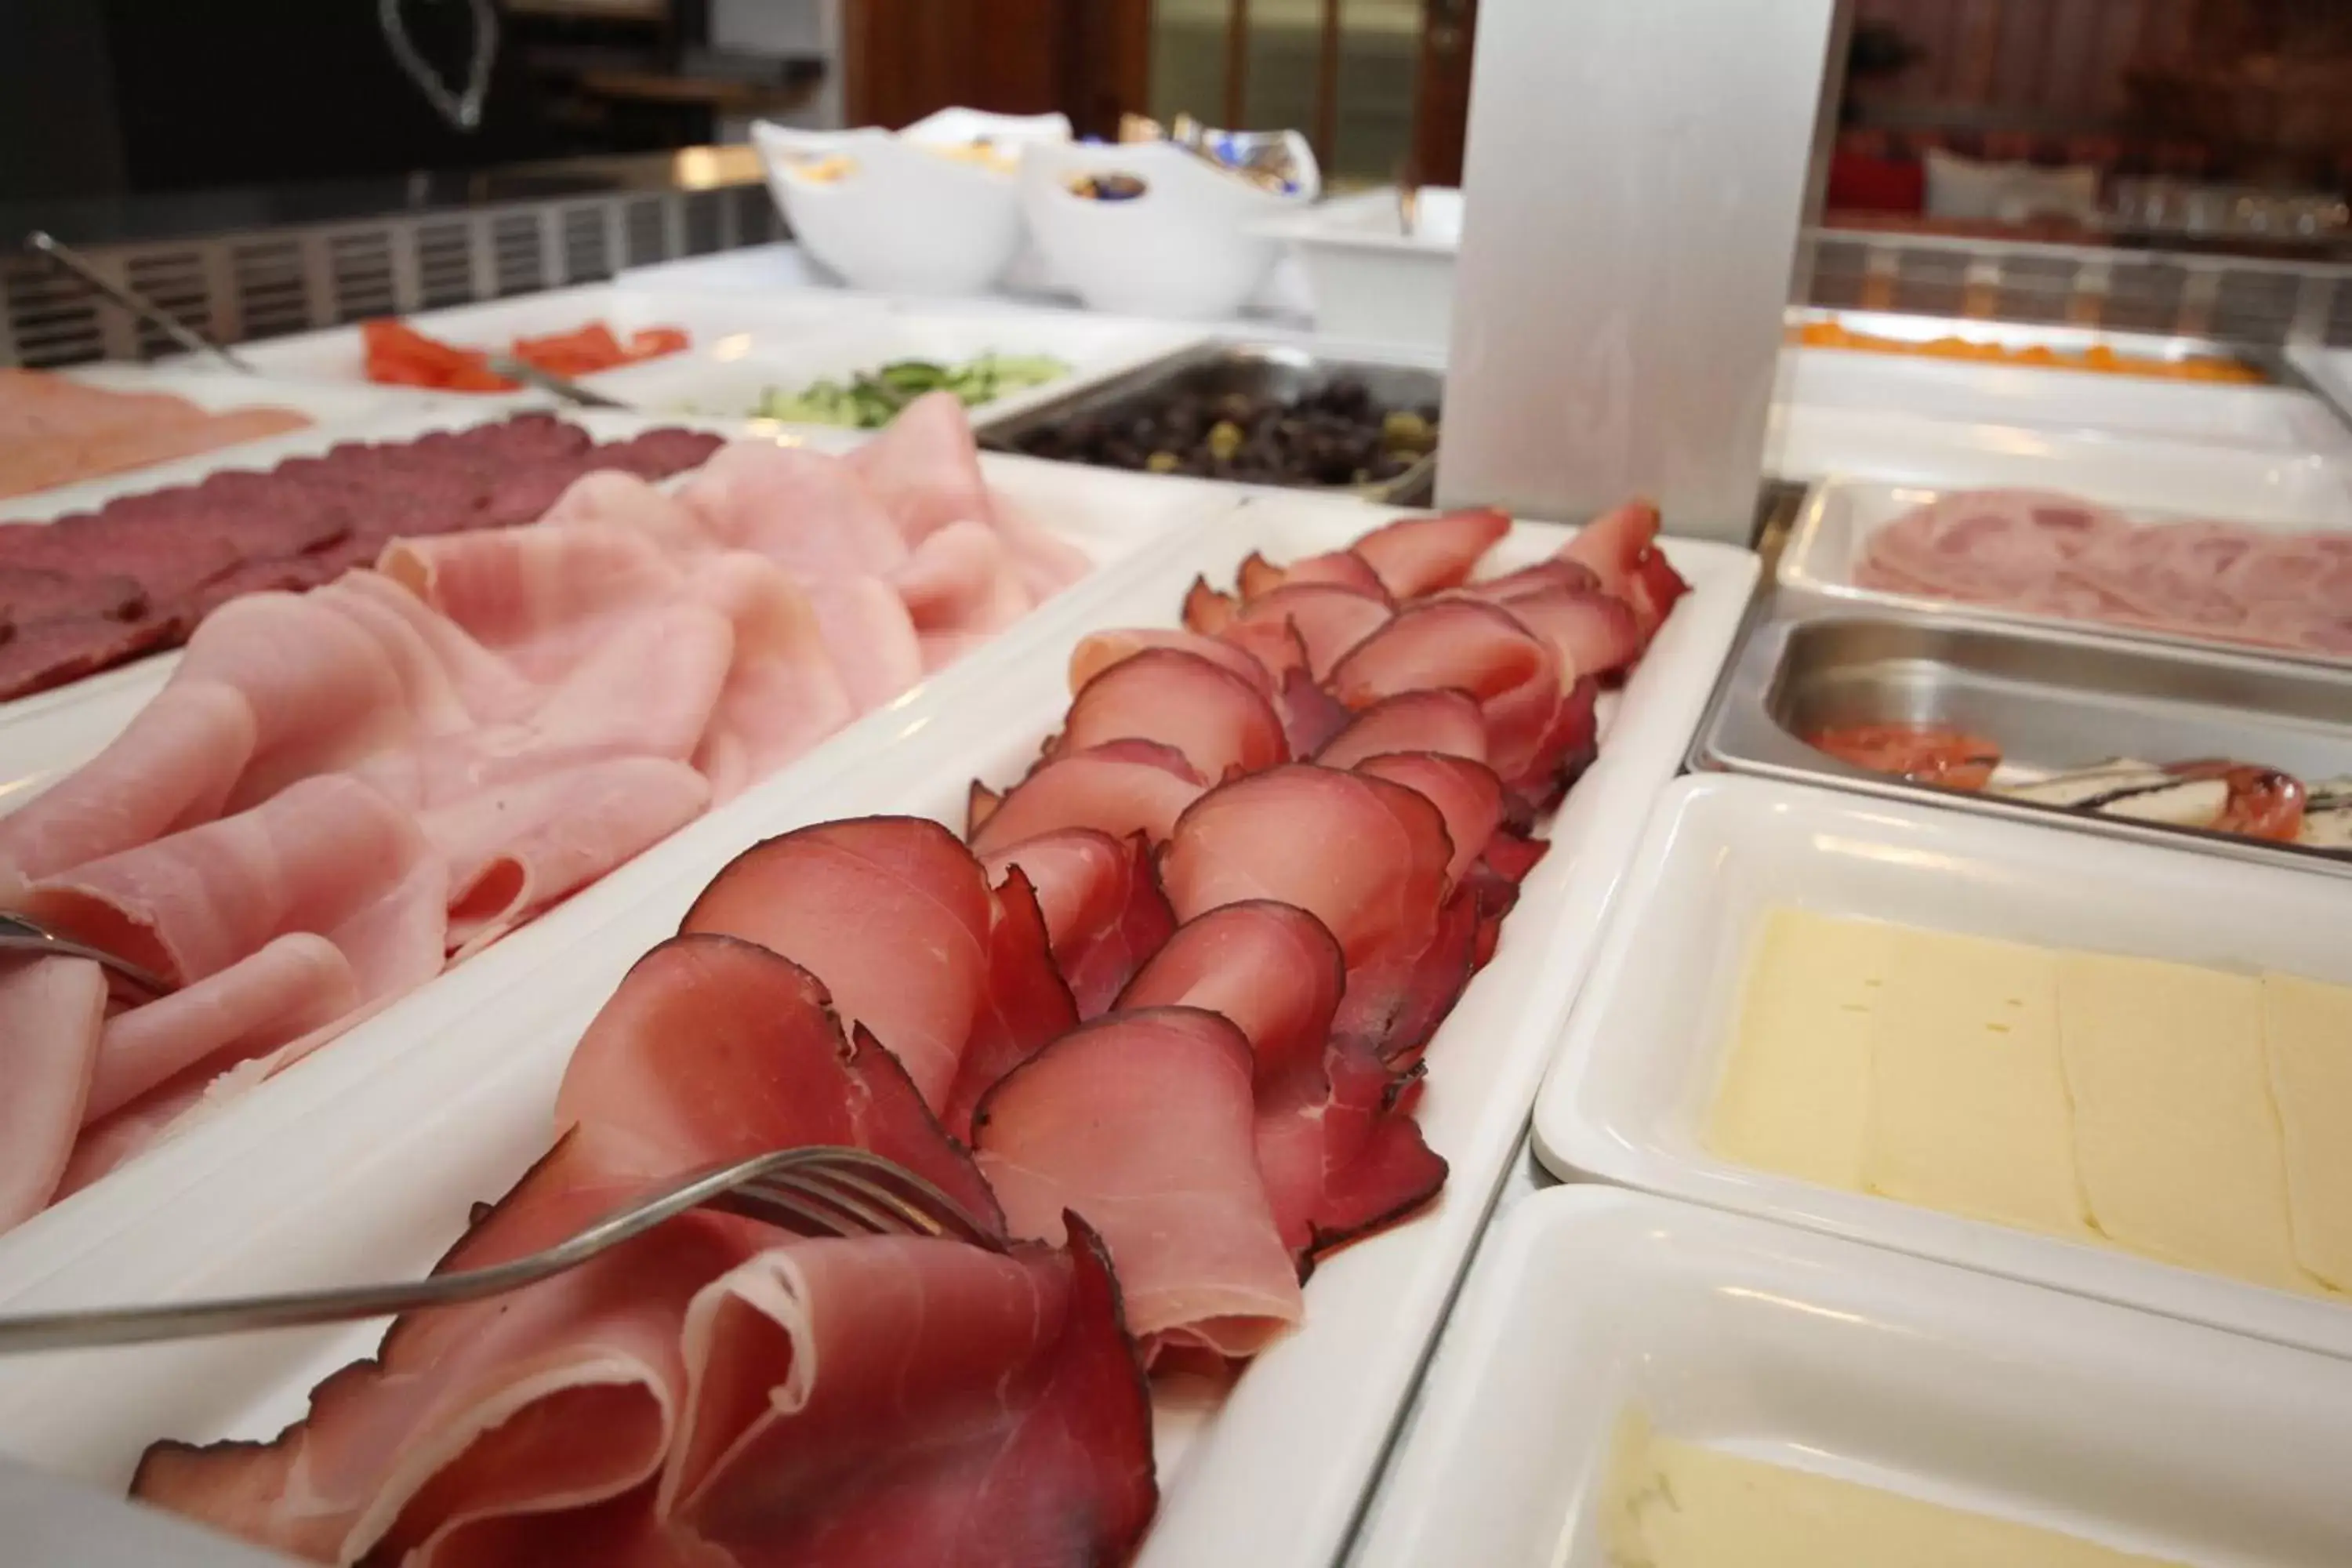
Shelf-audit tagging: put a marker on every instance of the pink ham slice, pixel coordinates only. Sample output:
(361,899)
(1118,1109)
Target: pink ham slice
(1098,651)
(1417,555)
(51,1010)
(1101,903)
(1330,619)
(536,595)
(1365,857)
(1420,721)
(960,579)
(902,1400)
(847,900)
(817,516)
(1127,786)
(1214,718)
(924,467)
(1144,1123)
(783,693)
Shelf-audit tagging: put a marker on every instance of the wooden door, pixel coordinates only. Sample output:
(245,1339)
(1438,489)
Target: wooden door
(1090,59)
(1441,107)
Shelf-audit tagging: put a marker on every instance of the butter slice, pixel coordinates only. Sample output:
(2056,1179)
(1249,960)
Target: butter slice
(2307,1029)
(1968,1100)
(1795,1094)
(1677,1505)
(2179,1144)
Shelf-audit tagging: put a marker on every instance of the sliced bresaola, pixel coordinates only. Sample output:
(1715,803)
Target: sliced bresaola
(1097,651)
(1275,971)
(1103,909)
(1344,1157)
(1365,857)
(1417,555)
(1494,883)
(1467,793)
(1569,745)
(1593,632)
(1331,618)
(1215,719)
(1144,1123)
(1123,787)
(1426,720)
(1344,568)
(849,901)
(902,1400)
(1470,646)
(1395,1002)
(1028,1006)
(1619,547)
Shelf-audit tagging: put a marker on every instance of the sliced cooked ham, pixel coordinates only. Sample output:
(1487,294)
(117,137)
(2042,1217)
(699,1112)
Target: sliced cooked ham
(1330,619)
(1127,786)
(815,516)
(51,1010)
(1365,857)
(1144,1123)
(903,1400)
(783,693)
(962,578)
(1101,903)
(845,900)
(1417,555)
(1097,651)
(1215,719)
(537,595)
(1443,720)
(925,467)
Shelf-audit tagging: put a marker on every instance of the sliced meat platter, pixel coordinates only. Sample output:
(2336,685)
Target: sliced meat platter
(1165,1003)
(340,793)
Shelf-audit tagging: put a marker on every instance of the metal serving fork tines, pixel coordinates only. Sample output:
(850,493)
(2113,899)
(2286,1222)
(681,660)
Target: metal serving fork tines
(22,933)
(822,1191)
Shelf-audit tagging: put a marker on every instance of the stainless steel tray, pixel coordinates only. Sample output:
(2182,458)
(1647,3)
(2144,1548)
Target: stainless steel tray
(2272,364)
(2052,700)
(1260,368)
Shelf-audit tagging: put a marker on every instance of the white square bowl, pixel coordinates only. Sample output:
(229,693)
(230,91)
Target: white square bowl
(2123,1428)
(1627,1098)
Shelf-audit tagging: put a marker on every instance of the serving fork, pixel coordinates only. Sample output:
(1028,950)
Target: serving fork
(22,933)
(820,1190)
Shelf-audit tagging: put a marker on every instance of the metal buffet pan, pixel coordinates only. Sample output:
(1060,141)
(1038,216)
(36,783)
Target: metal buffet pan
(2052,700)
(1267,370)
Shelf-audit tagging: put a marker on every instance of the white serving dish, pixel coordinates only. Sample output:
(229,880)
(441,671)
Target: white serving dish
(1371,280)
(2129,1430)
(1627,1099)
(729,375)
(905,218)
(336,354)
(2269,418)
(220,389)
(361,1162)
(1193,244)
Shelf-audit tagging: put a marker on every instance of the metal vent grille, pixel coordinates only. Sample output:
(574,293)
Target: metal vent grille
(296,280)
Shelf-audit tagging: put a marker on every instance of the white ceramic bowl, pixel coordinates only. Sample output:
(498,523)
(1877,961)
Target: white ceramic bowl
(903,219)
(1187,247)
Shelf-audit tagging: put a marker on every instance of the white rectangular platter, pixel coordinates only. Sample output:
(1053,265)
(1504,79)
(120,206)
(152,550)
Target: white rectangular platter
(335,354)
(1104,512)
(729,375)
(362,1160)
(221,388)
(2126,1429)
(1628,1096)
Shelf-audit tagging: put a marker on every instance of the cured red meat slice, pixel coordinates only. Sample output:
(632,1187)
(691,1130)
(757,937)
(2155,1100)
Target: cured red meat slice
(51,653)
(1272,970)
(1127,786)
(1144,1123)
(1417,555)
(1590,633)
(1098,651)
(1395,1003)
(1029,1004)
(1274,646)
(1467,793)
(1311,716)
(1211,716)
(1653,592)
(1553,572)
(1427,719)
(1612,544)
(51,1013)
(1342,1156)
(1365,857)
(1470,646)
(1339,568)
(1569,743)
(1101,902)
(1207,611)
(29,595)
(847,901)
(1330,619)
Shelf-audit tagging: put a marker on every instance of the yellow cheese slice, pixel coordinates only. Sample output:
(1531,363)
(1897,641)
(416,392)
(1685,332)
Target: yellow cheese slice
(1672,1504)
(2307,1031)
(1968,1100)
(2174,1130)
(1795,1092)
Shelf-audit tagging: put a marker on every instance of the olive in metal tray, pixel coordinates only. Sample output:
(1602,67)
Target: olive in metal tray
(1336,434)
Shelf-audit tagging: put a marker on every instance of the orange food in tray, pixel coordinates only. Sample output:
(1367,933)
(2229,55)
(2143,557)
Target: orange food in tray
(400,355)
(2097,357)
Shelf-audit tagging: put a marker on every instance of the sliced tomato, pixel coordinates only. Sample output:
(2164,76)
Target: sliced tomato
(652,343)
(1924,753)
(2262,802)
(399,355)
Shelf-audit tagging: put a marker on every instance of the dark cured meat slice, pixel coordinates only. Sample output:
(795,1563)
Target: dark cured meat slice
(1127,786)
(1274,646)
(1028,1005)
(51,653)
(1494,883)
(1429,720)
(1593,632)
(1551,573)
(996,1417)
(1102,907)
(1331,618)
(1207,611)
(1341,568)
(29,595)
(1567,747)
(1467,793)
(1272,969)
(658,454)
(1470,646)
(1378,1168)
(1310,715)
(1417,555)
(847,901)
(1098,651)
(1395,1003)
(1210,715)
